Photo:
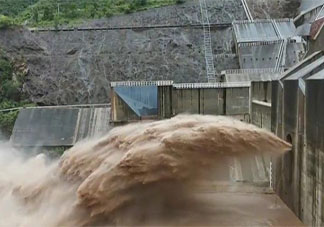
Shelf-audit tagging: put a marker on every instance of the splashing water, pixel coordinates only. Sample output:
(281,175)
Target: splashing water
(137,172)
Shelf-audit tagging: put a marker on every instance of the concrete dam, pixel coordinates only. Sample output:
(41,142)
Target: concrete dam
(137,106)
(263,103)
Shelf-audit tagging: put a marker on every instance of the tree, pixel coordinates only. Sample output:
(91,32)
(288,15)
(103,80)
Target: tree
(140,2)
(56,21)
(7,122)
(11,90)
(48,14)
(35,15)
(71,11)
(5,22)
(90,11)
(5,69)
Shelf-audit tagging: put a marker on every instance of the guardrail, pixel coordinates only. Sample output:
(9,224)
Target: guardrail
(211,85)
(262,21)
(252,71)
(60,106)
(141,83)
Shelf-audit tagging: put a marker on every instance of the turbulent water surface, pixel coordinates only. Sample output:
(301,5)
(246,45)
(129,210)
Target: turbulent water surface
(141,173)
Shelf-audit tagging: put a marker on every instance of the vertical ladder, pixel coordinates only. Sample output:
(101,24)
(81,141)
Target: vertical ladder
(209,57)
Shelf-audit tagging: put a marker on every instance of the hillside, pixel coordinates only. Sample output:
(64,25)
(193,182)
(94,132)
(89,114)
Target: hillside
(274,8)
(40,13)
(76,66)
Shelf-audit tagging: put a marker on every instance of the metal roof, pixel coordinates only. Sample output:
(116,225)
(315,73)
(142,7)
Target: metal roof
(317,76)
(286,27)
(307,69)
(264,30)
(321,13)
(307,5)
(315,56)
(304,30)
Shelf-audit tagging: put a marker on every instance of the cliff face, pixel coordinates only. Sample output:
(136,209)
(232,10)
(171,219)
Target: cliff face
(77,66)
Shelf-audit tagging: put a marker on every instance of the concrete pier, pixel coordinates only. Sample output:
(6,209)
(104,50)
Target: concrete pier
(297,116)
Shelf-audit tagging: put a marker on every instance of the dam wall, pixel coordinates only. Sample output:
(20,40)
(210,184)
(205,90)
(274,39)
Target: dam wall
(296,115)
(133,101)
(59,126)
(261,104)
(130,102)
(313,172)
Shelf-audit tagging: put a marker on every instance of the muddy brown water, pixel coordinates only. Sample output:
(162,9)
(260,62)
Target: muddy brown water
(142,174)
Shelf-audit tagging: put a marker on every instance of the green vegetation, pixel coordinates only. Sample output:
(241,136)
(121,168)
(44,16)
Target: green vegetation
(57,12)
(11,95)
(12,8)
(8,119)
(7,122)
(6,22)
(10,82)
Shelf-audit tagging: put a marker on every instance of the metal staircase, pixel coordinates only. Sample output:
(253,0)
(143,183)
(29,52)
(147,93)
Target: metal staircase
(209,57)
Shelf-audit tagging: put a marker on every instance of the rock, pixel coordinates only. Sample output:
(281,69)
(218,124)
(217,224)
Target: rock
(72,67)
(263,9)
(72,51)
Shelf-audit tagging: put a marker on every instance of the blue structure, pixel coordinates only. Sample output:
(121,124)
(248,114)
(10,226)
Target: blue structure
(141,99)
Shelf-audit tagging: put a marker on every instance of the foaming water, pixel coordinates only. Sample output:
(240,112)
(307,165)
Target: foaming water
(137,174)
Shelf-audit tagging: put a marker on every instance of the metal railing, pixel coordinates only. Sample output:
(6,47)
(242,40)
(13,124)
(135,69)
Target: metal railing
(141,83)
(211,85)
(104,105)
(252,71)
(247,10)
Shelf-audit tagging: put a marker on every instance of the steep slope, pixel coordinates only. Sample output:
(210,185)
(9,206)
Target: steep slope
(263,9)
(77,66)
(56,12)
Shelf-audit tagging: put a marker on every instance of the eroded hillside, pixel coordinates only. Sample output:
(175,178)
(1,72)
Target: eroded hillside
(77,66)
